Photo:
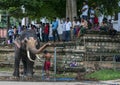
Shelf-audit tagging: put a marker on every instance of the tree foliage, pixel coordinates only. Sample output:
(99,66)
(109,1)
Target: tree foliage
(13,7)
(34,8)
(50,8)
(107,7)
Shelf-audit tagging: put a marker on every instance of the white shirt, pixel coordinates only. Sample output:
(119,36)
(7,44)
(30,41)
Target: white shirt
(68,26)
(86,11)
(92,12)
(64,26)
(50,31)
(76,23)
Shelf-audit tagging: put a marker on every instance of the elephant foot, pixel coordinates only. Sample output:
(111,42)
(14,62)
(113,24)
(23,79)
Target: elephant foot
(27,78)
(16,74)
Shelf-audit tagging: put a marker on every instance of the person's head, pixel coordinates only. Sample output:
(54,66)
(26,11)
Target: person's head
(43,24)
(91,8)
(19,23)
(47,24)
(23,28)
(85,2)
(82,20)
(105,19)
(14,27)
(40,23)
(54,18)
(75,19)
(68,19)
(45,51)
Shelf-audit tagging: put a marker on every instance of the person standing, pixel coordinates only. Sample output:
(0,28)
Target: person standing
(85,10)
(15,32)
(10,35)
(92,15)
(47,63)
(40,30)
(46,32)
(43,34)
(19,28)
(76,27)
(63,29)
(54,30)
(84,26)
(68,28)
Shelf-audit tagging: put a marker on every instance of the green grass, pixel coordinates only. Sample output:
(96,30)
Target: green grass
(7,69)
(104,75)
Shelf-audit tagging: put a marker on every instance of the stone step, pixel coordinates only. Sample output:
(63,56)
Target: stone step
(99,32)
(102,53)
(90,46)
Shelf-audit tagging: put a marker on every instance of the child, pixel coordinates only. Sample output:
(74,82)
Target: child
(47,63)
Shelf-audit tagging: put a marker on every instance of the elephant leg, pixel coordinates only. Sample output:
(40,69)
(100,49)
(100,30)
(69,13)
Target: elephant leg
(30,65)
(24,61)
(16,62)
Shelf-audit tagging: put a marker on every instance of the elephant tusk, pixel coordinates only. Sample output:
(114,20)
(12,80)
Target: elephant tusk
(28,55)
(38,56)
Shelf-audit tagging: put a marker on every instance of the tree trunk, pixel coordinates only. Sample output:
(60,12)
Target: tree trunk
(8,26)
(71,9)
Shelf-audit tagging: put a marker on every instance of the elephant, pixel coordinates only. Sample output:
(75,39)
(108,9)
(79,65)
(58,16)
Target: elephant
(26,51)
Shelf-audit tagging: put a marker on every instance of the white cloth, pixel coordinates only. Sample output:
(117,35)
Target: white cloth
(68,26)
(92,12)
(40,31)
(50,31)
(76,23)
(10,32)
(63,26)
(86,11)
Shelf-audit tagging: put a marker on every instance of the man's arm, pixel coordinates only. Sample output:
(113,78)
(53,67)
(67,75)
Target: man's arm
(17,43)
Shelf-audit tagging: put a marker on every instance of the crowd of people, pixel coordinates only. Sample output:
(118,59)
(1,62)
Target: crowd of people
(70,29)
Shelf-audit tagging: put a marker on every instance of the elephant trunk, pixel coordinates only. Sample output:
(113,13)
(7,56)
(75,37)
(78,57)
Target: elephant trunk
(34,50)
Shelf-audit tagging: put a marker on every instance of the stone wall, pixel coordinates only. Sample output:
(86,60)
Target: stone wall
(85,52)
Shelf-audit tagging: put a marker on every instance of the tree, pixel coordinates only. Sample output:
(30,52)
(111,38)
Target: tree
(13,7)
(71,8)
(50,8)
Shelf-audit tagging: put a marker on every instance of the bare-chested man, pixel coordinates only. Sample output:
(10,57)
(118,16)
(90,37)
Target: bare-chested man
(47,62)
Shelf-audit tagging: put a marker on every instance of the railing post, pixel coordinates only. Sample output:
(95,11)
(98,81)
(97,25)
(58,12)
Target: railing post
(55,57)
(114,63)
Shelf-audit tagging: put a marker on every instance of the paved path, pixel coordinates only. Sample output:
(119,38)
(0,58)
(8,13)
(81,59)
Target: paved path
(56,83)
(110,82)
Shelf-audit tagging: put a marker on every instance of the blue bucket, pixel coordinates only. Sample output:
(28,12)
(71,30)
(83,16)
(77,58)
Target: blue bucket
(65,79)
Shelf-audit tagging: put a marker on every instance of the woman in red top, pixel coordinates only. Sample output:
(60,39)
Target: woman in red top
(46,32)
